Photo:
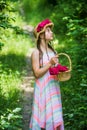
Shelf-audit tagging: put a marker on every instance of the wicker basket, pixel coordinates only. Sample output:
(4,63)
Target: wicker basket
(64,76)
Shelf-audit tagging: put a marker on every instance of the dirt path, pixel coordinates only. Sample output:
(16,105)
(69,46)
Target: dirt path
(27,88)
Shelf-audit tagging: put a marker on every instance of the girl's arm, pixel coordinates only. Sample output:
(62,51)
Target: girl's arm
(39,72)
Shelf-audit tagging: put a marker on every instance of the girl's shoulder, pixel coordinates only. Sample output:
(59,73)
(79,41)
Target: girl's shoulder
(35,52)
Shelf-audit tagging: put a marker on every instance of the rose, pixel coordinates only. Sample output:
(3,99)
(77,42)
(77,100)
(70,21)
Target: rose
(42,24)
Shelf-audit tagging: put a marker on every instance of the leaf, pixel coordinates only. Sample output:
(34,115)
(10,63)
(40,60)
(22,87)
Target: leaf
(16,110)
(83,85)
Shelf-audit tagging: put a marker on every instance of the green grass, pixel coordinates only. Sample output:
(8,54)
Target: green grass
(12,70)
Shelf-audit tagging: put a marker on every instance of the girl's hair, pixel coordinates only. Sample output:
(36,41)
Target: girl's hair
(40,51)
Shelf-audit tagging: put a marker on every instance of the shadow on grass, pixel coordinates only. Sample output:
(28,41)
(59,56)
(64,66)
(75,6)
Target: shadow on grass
(22,65)
(12,62)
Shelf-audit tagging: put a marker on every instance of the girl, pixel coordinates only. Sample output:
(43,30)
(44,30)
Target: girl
(47,107)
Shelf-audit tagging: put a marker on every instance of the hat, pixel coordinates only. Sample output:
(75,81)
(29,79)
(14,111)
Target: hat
(40,28)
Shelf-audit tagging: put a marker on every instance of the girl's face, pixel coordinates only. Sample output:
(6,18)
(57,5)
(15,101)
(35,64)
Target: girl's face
(48,34)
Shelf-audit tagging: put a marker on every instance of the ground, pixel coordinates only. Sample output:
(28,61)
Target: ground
(27,87)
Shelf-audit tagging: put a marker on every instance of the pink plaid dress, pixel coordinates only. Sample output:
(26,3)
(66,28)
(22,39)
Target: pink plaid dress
(47,106)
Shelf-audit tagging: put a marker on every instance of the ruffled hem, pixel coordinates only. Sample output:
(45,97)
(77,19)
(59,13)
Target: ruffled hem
(55,127)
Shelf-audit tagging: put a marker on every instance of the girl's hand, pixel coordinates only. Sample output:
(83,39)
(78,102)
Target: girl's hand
(54,60)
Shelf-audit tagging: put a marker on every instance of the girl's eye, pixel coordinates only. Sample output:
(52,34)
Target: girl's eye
(48,30)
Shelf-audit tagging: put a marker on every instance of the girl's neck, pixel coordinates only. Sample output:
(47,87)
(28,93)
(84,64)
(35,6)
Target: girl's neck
(44,45)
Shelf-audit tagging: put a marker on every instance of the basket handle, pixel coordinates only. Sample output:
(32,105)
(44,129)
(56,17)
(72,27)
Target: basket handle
(68,59)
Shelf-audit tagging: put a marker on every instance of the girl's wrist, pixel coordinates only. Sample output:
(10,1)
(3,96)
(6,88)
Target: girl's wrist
(49,64)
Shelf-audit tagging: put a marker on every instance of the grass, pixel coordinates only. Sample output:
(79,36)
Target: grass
(12,60)
(12,69)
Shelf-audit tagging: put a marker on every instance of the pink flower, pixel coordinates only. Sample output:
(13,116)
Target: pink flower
(42,25)
(59,68)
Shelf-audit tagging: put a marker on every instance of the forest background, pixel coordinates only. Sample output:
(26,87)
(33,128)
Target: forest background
(70,20)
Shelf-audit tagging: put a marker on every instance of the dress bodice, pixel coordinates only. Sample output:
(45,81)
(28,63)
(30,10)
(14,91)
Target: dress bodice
(46,57)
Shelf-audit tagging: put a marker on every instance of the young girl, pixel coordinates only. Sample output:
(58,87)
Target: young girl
(47,107)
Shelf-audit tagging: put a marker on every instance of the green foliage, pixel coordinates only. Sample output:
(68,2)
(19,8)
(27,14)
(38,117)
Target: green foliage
(34,14)
(6,10)
(9,99)
(74,91)
(11,120)
(12,63)
(8,18)
(1,44)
